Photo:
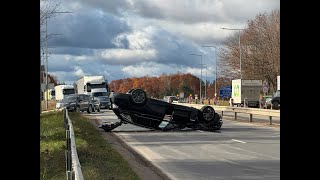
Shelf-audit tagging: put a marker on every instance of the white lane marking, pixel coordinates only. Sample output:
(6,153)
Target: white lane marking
(238,141)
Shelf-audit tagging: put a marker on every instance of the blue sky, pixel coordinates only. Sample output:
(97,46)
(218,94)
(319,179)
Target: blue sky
(134,38)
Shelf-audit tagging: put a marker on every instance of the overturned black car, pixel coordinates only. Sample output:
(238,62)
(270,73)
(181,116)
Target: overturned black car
(135,108)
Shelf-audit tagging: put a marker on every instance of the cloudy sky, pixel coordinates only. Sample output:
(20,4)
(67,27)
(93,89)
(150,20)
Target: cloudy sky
(134,38)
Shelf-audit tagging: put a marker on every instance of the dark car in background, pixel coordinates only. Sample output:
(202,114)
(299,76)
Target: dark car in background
(82,103)
(96,104)
(135,108)
(105,102)
(275,101)
(68,99)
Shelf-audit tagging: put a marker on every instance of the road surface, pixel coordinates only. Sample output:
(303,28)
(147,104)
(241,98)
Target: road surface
(238,151)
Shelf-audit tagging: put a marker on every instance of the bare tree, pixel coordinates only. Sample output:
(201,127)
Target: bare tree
(47,10)
(260,50)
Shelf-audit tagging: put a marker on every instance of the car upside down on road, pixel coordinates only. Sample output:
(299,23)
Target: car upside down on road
(135,108)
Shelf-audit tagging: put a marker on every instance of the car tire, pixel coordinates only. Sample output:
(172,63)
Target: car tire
(207,113)
(138,96)
(89,109)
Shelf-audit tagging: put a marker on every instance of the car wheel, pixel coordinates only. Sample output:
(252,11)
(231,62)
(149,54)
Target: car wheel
(129,91)
(138,96)
(77,109)
(89,109)
(207,113)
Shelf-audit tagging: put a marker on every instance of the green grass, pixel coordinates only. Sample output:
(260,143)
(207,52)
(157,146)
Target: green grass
(97,158)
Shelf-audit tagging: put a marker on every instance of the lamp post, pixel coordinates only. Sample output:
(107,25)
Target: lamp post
(215,83)
(239,46)
(200,71)
(205,84)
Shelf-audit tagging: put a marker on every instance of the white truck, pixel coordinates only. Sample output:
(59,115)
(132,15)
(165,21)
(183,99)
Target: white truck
(62,90)
(92,85)
(246,89)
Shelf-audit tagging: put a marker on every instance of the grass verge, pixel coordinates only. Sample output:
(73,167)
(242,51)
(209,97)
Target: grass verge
(97,158)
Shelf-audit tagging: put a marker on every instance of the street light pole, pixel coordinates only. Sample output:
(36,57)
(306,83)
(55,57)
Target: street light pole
(46,63)
(200,71)
(205,85)
(215,83)
(239,47)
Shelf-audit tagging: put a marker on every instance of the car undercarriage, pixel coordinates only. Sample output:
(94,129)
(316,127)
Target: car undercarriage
(135,108)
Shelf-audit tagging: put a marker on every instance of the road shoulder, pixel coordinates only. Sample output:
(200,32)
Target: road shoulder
(137,162)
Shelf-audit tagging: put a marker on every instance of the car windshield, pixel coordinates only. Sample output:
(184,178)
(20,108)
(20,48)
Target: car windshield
(277,93)
(103,98)
(97,94)
(70,99)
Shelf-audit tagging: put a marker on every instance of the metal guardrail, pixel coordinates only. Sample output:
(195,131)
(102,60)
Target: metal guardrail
(252,111)
(73,167)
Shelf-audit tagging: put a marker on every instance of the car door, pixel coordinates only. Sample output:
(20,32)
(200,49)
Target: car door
(82,103)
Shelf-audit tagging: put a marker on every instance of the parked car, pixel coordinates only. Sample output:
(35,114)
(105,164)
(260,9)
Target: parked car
(171,99)
(275,101)
(83,103)
(96,104)
(135,108)
(267,103)
(105,102)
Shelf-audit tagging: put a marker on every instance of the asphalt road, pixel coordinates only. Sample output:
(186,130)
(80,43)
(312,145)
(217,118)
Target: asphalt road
(237,151)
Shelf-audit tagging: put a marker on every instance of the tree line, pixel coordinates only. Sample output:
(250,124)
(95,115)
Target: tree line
(169,85)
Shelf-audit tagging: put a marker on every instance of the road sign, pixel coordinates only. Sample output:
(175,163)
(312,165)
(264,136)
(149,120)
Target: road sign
(265,86)
(225,92)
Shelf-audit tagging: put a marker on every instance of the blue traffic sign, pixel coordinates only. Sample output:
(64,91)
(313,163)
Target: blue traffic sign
(225,92)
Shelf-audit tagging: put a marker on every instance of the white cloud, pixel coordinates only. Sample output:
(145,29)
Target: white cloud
(78,71)
(125,55)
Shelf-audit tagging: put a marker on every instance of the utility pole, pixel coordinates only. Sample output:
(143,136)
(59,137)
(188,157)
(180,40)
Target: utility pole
(46,57)
(46,91)
(215,83)
(201,73)
(205,85)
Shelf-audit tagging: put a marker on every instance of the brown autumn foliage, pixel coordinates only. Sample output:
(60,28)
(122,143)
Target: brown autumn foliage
(260,51)
(166,85)
(51,78)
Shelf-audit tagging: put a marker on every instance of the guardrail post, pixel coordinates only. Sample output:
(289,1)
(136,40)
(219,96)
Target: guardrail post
(250,117)
(68,165)
(235,115)
(270,120)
